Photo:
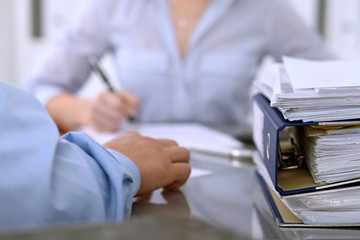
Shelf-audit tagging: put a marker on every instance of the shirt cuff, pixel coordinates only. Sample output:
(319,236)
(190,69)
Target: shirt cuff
(129,165)
(101,154)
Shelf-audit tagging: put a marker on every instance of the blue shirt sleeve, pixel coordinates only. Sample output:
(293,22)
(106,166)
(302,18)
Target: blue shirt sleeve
(47,180)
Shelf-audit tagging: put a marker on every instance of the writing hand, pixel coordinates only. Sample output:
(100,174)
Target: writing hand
(108,110)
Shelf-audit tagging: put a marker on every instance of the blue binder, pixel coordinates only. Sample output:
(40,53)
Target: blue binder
(266,138)
(282,215)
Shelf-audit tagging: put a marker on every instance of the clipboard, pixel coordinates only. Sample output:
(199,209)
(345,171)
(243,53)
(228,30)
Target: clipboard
(267,127)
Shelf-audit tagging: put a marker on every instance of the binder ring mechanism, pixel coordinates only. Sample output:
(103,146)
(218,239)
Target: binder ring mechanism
(290,155)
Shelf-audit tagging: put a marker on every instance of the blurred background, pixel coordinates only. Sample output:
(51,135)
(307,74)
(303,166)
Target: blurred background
(29,26)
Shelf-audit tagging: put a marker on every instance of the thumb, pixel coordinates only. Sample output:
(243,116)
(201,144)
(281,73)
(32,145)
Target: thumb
(130,100)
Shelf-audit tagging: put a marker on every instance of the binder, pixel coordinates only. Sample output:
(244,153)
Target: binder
(283,216)
(267,127)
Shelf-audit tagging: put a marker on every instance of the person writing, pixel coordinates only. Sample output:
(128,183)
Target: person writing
(48,180)
(177,60)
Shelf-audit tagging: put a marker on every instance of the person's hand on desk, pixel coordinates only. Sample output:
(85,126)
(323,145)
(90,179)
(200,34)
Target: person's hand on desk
(161,162)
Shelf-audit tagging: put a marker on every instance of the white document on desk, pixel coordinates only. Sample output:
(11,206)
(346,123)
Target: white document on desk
(190,135)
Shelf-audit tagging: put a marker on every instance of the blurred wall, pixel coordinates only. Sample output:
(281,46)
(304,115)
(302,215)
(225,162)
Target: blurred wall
(21,49)
(342,27)
(6,61)
(29,38)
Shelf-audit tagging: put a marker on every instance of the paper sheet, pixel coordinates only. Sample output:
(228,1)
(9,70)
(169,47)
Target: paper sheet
(323,74)
(197,172)
(186,134)
(189,135)
(319,105)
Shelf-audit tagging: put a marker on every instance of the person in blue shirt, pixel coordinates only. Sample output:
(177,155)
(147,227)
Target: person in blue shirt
(176,60)
(47,180)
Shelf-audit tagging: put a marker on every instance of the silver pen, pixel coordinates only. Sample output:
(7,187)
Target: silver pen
(94,63)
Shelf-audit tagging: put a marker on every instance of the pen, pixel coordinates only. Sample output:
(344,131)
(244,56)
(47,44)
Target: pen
(96,67)
(231,153)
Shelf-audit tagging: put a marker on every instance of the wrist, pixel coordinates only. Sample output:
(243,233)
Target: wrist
(68,112)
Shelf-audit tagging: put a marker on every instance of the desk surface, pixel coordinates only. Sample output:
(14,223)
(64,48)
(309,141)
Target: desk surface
(216,206)
(225,199)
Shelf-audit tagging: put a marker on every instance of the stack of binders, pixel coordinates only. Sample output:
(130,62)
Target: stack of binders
(308,178)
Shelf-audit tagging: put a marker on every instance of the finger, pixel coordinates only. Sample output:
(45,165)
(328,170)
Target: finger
(103,124)
(178,154)
(103,113)
(131,134)
(174,185)
(181,172)
(129,98)
(112,106)
(110,99)
(167,142)
(101,109)
(130,101)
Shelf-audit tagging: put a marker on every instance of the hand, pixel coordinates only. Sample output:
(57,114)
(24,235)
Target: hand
(108,110)
(161,162)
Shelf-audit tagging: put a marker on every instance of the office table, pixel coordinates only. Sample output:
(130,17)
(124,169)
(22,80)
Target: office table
(225,199)
(215,206)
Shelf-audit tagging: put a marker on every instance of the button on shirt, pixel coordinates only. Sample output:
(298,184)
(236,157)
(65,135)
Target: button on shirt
(211,84)
(47,180)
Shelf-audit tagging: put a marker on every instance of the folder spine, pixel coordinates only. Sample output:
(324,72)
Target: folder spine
(273,124)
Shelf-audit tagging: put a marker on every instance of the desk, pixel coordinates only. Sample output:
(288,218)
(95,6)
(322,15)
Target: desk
(216,206)
(225,199)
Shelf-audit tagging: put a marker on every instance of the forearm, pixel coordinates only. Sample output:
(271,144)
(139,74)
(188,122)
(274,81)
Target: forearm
(46,180)
(68,111)
(80,182)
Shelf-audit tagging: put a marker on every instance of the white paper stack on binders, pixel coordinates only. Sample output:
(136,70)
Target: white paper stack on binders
(320,101)
(313,90)
(294,197)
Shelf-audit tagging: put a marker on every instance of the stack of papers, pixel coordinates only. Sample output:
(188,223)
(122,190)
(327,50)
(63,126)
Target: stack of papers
(323,193)
(333,207)
(340,206)
(313,90)
(332,152)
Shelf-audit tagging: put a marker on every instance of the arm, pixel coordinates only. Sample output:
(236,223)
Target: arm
(48,180)
(66,68)
(103,113)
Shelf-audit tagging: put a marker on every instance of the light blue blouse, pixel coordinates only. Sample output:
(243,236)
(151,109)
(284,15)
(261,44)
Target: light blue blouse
(210,85)
(47,180)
